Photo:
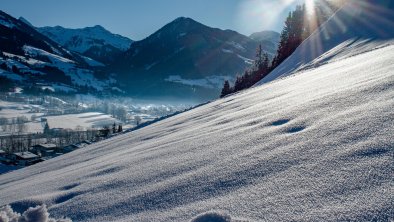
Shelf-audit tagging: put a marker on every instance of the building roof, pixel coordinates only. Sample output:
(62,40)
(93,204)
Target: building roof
(47,146)
(26,155)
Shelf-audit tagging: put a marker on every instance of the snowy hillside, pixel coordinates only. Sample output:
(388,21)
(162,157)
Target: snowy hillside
(316,146)
(358,26)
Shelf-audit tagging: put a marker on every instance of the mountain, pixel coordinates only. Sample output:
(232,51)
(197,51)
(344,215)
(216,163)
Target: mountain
(186,59)
(94,42)
(32,59)
(315,146)
(267,38)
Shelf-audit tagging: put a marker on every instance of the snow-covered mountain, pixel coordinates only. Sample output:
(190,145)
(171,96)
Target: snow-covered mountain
(95,42)
(32,59)
(315,146)
(187,59)
(268,38)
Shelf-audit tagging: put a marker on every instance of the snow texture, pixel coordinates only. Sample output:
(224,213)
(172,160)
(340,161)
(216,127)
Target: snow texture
(316,146)
(33,214)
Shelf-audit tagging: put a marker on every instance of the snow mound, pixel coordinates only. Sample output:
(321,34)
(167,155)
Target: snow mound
(33,214)
(358,27)
(213,216)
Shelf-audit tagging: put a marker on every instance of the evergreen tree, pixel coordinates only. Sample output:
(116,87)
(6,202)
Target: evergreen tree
(114,128)
(47,130)
(226,89)
(120,129)
(259,58)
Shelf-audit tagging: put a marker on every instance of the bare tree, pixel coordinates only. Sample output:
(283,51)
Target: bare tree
(33,117)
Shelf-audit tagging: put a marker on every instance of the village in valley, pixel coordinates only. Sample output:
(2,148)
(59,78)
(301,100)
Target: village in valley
(34,129)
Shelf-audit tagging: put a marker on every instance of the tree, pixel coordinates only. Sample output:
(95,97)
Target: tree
(114,128)
(47,130)
(33,117)
(226,89)
(104,132)
(137,120)
(121,113)
(3,121)
(120,129)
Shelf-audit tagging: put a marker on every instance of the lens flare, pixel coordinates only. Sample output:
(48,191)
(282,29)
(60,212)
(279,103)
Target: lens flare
(310,6)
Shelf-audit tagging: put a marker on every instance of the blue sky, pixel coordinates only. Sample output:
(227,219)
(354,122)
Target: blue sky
(137,19)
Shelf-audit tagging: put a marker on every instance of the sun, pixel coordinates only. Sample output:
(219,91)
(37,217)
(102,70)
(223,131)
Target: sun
(310,5)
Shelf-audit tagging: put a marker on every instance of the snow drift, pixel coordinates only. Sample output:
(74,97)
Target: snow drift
(316,146)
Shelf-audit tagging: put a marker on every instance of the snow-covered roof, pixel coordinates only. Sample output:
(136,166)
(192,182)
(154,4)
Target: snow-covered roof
(26,155)
(46,146)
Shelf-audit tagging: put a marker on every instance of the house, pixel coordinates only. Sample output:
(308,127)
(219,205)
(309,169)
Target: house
(70,148)
(46,149)
(25,158)
(4,157)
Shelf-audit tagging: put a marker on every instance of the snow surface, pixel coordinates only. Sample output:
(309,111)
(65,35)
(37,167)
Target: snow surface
(210,82)
(86,120)
(316,146)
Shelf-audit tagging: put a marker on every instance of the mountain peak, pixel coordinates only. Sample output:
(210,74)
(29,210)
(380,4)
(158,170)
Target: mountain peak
(97,27)
(185,20)
(25,21)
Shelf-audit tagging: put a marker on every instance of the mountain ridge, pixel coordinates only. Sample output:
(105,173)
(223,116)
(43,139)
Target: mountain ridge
(189,52)
(95,42)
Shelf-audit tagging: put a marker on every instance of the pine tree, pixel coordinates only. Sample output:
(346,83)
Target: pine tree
(259,58)
(114,128)
(120,129)
(47,130)
(226,89)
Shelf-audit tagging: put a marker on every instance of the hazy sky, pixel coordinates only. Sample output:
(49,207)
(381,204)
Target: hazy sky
(137,19)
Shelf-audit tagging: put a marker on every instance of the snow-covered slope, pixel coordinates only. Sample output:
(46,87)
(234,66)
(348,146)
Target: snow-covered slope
(357,27)
(316,146)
